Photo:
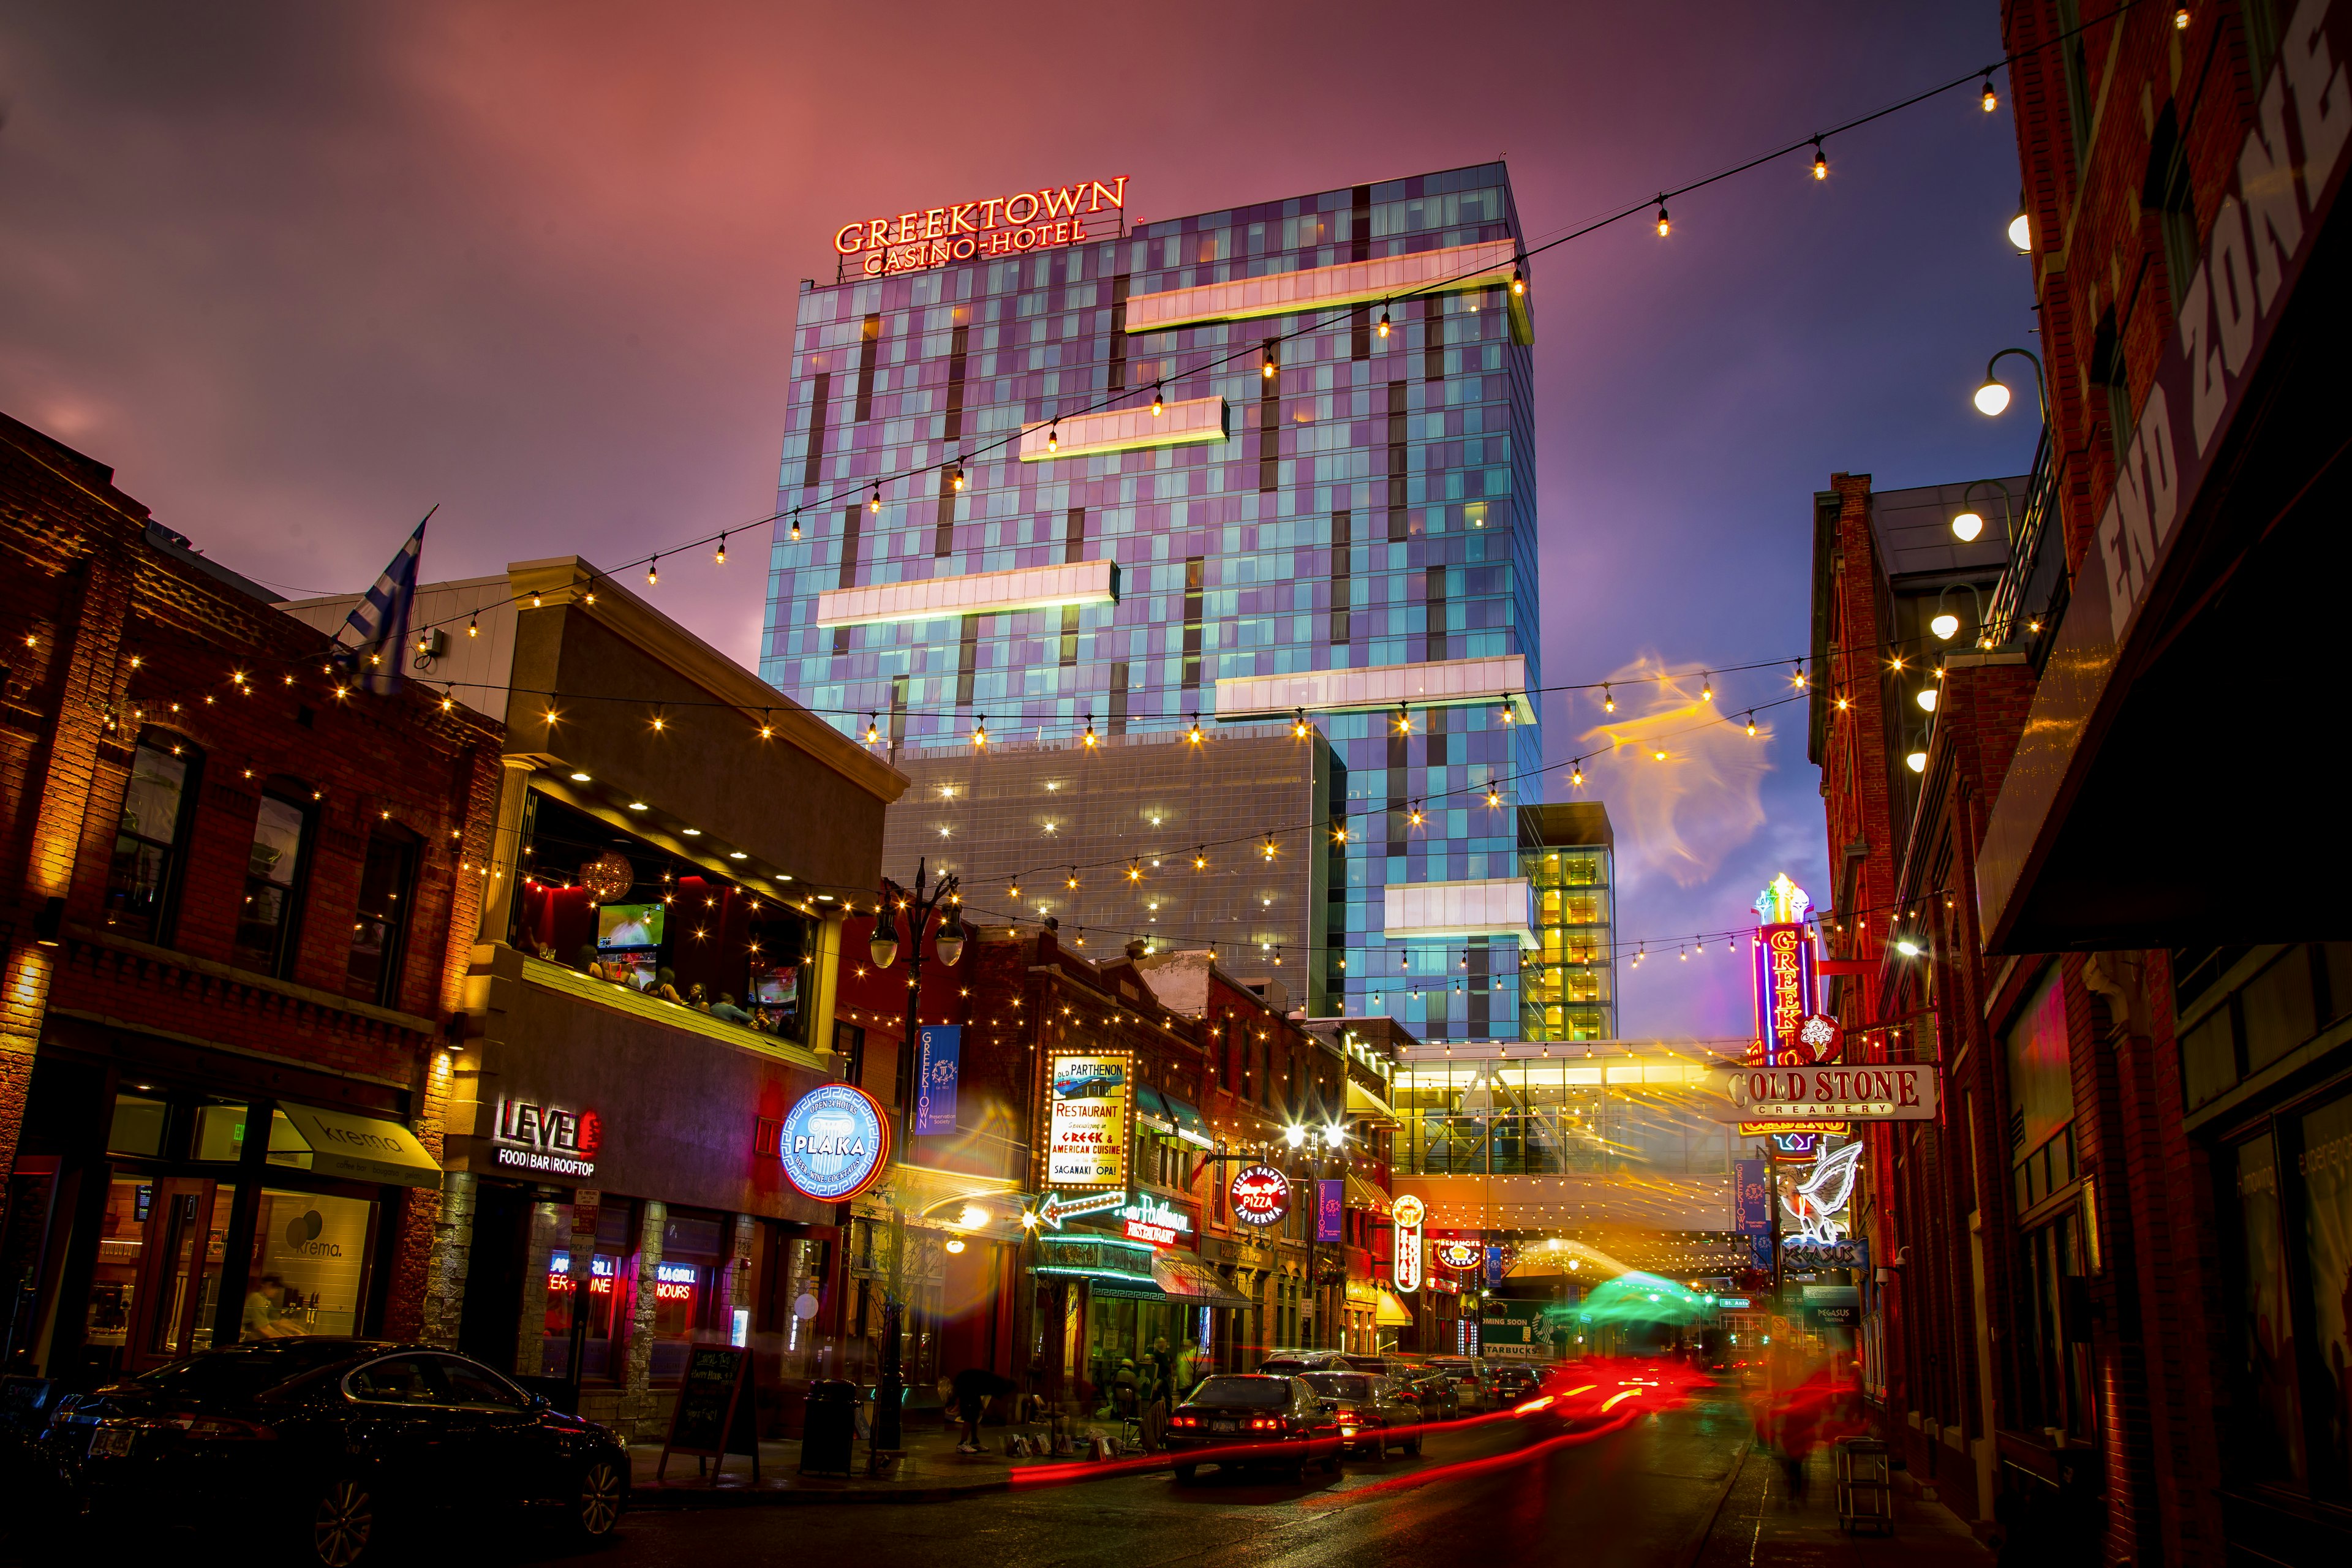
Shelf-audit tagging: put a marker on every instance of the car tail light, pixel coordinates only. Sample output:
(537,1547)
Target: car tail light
(1532,1405)
(1185,1421)
(1265,1423)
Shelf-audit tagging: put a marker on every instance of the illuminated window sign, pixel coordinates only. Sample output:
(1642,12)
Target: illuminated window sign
(529,1136)
(559,1275)
(1001,226)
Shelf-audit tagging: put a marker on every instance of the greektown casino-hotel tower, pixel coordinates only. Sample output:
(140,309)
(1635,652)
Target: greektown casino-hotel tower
(1072,477)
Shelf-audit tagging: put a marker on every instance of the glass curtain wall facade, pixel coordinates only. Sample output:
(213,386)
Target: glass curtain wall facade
(1369,505)
(1618,1115)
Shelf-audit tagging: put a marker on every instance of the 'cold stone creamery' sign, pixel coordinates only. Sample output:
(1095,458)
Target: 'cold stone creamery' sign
(1894,1093)
(1001,226)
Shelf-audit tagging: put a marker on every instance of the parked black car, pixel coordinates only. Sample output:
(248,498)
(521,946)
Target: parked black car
(1372,1413)
(1252,1420)
(321,1443)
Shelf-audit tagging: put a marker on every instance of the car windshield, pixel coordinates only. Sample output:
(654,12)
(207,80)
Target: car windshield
(1340,1384)
(241,1372)
(1269,1392)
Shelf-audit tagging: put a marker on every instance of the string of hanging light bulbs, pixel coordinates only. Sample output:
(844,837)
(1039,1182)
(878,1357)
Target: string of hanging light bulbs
(953,466)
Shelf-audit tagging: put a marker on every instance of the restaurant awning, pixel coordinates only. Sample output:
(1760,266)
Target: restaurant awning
(1194,1284)
(1126,1291)
(1391,1312)
(362,1148)
(1364,1195)
(1191,1125)
(1362,1102)
(1149,1106)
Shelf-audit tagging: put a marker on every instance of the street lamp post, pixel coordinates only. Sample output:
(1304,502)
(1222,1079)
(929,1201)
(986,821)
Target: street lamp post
(920,904)
(1992,398)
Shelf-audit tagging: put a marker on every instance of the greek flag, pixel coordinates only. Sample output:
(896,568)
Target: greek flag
(381,619)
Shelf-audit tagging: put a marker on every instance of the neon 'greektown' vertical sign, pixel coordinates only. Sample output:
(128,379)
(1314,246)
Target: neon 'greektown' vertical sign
(1001,226)
(1783,956)
(1406,1213)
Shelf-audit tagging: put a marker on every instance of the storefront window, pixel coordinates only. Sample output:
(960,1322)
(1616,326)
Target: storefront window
(2328,1254)
(114,1281)
(686,1290)
(2042,1094)
(2271,1442)
(137,1127)
(615,1232)
(309,1265)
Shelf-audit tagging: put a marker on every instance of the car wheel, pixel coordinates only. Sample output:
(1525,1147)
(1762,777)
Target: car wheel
(1413,1448)
(596,1502)
(1185,1473)
(342,1524)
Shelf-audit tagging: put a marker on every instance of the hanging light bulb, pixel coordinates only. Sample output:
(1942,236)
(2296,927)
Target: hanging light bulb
(1157,407)
(1751,721)
(796,523)
(1200,859)
(1404,720)
(1384,319)
(1821,161)
(1272,363)
(1415,818)
(1797,675)
(1054,437)
(720,558)
(1576,773)
(1608,701)
(1992,101)
(1090,731)
(473,626)
(1518,280)
(1269,849)
(1194,734)
(1664,227)
(958,480)
(872,735)
(980,731)
(1134,871)
(1706,687)
(653,572)
(1073,877)
(1298,722)
(1494,795)
(1014,892)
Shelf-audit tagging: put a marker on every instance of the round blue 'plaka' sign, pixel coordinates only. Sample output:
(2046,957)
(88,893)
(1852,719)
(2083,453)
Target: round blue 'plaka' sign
(835,1140)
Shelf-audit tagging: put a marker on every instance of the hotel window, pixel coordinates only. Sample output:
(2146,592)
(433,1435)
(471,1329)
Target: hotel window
(2165,191)
(267,918)
(380,924)
(148,845)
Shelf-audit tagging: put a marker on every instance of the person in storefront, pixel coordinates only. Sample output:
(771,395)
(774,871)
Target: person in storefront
(589,964)
(1163,1371)
(666,986)
(725,1008)
(262,1308)
(1123,1389)
(972,1389)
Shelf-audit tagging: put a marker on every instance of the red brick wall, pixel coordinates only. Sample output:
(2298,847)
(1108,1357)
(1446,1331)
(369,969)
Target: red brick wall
(107,636)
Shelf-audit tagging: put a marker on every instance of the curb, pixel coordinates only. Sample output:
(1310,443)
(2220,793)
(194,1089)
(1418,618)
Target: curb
(681,1500)
(1714,1515)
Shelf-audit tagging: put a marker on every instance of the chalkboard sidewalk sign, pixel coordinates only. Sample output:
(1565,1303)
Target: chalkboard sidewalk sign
(714,1416)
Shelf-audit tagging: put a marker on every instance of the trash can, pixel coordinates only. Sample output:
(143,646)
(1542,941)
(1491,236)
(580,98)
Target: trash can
(827,1426)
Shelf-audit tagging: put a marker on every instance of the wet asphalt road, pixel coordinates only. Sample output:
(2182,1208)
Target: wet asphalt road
(1641,1494)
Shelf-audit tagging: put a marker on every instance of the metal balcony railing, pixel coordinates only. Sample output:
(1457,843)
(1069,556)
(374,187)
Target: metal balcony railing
(2031,594)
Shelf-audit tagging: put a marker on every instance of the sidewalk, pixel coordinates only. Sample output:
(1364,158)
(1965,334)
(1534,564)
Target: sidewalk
(1758,1523)
(930,1471)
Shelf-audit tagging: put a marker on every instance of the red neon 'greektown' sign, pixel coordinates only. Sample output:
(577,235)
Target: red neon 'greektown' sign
(1001,226)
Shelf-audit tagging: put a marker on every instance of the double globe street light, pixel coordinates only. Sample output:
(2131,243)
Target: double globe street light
(920,905)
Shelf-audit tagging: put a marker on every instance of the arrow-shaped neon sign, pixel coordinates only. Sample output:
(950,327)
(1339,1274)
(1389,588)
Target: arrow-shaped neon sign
(1055,1209)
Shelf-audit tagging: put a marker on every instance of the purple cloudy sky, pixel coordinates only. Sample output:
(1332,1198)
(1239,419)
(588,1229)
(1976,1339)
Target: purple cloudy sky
(299,271)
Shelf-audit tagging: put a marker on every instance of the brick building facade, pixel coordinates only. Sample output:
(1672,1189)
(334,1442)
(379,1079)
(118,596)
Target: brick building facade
(2108,1310)
(244,894)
